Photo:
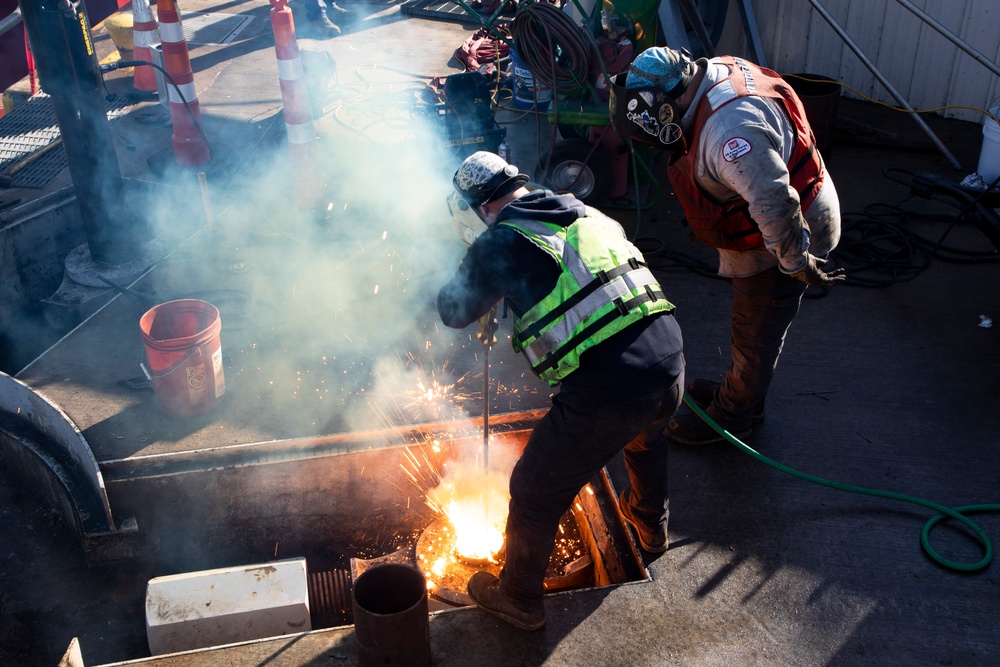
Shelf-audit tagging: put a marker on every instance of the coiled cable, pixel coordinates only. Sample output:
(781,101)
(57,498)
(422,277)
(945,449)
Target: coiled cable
(553,47)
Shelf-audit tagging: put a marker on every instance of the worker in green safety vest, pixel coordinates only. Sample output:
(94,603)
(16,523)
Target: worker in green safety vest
(591,319)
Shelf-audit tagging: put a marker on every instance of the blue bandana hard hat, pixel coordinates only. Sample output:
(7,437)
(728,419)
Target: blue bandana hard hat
(661,68)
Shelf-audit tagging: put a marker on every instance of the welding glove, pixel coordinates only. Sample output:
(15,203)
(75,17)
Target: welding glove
(813,276)
(488,325)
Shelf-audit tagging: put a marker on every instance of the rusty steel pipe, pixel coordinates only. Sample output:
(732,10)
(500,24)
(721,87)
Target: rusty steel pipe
(391,623)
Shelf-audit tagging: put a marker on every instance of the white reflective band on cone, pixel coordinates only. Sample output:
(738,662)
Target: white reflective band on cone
(290,70)
(144,38)
(187,89)
(171,32)
(300,133)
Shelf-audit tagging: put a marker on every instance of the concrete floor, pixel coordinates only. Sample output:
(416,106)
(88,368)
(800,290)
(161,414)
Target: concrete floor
(891,389)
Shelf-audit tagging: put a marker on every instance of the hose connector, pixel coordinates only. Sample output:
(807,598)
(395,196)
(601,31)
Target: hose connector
(121,64)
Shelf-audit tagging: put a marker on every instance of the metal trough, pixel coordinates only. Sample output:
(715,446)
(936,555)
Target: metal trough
(344,502)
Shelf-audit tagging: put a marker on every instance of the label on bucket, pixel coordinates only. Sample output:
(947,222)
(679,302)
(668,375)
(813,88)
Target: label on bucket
(196,383)
(220,378)
(528,92)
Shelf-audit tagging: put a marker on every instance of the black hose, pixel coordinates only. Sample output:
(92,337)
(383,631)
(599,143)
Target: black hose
(553,47)
(122,64)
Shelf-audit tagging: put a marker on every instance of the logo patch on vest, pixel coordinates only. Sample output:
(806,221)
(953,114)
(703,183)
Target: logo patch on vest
(736,147)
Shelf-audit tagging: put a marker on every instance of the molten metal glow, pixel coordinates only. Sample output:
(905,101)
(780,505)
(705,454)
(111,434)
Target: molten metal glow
(440,565)
(478,535)
(475,504)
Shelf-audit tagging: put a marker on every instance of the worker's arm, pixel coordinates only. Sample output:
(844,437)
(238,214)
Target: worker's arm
(475,288)
(745,152)
(759,175)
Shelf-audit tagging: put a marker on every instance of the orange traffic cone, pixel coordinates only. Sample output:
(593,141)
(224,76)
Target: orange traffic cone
(302,139)
(144,38)
(190,147)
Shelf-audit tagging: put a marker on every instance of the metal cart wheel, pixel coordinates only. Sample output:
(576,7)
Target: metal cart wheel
(572,131)
(576,166)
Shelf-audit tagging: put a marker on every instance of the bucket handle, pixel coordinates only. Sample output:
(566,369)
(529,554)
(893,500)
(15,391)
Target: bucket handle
(151,377)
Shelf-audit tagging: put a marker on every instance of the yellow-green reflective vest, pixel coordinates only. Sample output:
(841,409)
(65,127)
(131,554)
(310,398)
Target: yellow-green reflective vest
(603,287)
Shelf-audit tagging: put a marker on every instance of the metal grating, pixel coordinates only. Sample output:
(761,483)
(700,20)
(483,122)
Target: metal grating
(437,10)
(30,132)
(213,28)
(40,171)
(330,600)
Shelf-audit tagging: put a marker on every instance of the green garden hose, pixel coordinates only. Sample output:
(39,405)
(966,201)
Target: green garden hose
(957,513)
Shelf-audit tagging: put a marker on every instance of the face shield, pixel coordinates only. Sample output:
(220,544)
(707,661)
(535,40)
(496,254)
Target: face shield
(646,115)
(468,223)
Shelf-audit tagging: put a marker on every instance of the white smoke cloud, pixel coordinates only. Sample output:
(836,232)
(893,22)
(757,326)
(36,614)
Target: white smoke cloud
(338,329)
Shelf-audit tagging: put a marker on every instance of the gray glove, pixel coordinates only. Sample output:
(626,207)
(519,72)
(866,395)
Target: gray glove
(488,325)
(813,276)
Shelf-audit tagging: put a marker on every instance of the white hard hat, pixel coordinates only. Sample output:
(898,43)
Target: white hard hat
(484,176)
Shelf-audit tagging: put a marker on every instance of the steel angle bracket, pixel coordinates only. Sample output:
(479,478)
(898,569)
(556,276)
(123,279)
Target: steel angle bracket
(42,446)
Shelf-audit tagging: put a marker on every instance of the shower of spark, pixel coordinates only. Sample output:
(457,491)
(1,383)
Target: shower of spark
(437,401)
(413,391)
(473,501)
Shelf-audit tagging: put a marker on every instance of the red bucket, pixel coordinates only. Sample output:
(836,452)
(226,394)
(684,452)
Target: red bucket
(184,355)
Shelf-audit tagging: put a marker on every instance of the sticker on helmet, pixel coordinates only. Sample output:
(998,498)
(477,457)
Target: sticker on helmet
(670,133)
(666,113)
(646,122)
(647,97)
(735,147)
(632,104)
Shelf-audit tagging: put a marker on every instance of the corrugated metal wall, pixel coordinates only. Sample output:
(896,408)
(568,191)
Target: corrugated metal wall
(926,68)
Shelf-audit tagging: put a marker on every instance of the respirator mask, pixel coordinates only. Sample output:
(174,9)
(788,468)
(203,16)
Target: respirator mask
(468,222)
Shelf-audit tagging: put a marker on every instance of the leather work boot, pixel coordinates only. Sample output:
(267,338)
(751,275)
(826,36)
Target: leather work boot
(690,429)
(703,392)
(484,589)
(322,23)
(653,541)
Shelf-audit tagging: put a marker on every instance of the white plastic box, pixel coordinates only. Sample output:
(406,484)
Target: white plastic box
(233,604)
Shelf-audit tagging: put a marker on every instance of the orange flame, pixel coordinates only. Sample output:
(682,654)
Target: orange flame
(475,503)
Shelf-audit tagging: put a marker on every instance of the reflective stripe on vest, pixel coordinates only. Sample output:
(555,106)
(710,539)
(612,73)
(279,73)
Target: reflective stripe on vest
(591,300)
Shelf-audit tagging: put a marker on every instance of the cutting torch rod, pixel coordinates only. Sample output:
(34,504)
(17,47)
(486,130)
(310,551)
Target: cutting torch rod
(487,336)
(486,408)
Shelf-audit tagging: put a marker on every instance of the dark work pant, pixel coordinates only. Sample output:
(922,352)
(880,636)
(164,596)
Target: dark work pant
(577,437)
(315,7)
(764,306)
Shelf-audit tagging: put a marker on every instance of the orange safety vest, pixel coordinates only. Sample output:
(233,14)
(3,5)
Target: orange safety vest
(729,226)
